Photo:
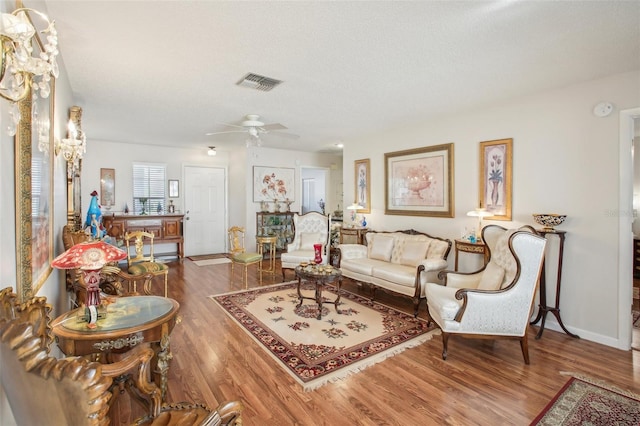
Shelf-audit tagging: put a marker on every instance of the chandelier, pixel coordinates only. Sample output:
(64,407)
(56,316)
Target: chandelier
(20,70)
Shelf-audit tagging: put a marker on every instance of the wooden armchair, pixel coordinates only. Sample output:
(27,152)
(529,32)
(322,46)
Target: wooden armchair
(74,391)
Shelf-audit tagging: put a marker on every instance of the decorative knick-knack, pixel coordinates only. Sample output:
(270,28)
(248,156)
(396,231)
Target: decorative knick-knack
(172,208)
(364,221)
(318,252)
(159,208)
(126,208)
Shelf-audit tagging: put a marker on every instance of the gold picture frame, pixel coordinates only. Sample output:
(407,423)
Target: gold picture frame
(107,188)
(496,177)
(419,182)
(34,194)
(363,185)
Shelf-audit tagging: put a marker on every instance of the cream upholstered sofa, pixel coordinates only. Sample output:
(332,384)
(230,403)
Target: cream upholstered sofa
(401,262)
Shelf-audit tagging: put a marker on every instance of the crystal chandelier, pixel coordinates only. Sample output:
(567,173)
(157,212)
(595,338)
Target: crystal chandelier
(74,146)
(20,70)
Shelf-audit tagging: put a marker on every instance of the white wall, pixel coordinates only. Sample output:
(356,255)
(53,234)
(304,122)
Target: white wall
(565,160)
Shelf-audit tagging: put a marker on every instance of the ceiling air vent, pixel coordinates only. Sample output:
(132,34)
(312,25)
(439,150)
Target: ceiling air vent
(258,82)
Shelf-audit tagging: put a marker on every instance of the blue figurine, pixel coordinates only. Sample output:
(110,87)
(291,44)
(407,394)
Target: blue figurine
(94,218)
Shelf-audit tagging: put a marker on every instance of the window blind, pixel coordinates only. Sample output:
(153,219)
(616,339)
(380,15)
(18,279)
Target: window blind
(149,187)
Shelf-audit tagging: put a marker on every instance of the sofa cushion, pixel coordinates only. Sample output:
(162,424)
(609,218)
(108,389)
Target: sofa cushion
(395,273)
(491,277)
(362,266)
(437,249)
(308,239)
(413,252)
(380,247)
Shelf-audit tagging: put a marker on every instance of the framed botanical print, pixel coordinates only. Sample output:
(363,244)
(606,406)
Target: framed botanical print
(419,181)
(496,170)
(363,185)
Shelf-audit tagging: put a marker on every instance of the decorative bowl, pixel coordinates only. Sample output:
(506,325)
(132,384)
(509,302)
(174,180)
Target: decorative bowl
(549,220)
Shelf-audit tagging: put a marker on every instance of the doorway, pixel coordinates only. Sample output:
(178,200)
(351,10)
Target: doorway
(315,181)
(205,208)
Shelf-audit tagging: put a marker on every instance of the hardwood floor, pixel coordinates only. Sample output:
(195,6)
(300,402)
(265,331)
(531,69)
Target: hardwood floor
(483,382)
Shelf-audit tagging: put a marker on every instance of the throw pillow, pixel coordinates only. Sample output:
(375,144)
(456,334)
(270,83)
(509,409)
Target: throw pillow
(491,277)
(381,247)
(414,252)
(308,239)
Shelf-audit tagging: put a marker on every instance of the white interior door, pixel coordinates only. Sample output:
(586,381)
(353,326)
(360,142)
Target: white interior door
(205,210)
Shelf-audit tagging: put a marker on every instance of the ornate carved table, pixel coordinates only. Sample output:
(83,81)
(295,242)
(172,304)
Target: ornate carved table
(469,247)
(129,321)
(320,275)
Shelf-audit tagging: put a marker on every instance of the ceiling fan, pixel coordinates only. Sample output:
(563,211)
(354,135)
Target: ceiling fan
(255,128)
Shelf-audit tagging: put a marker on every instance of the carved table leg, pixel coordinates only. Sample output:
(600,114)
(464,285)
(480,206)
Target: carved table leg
(164,356)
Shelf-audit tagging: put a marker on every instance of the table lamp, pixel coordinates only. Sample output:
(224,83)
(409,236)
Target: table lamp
(89,257)
(354,208)
(479,213)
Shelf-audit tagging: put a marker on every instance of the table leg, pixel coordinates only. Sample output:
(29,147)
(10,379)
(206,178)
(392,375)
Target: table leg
(299,294)
(162,367)
(337,301)
(319,299)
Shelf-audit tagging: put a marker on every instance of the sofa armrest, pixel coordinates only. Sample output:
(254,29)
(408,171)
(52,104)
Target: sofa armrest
(434,264)
(352,251)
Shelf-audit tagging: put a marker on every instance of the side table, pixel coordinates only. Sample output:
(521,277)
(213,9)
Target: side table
(353,235)
(130,321)
(543,307)
(271,242)
(466,246)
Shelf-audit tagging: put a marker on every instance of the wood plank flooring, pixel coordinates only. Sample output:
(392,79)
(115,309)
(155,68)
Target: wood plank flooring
(483,382)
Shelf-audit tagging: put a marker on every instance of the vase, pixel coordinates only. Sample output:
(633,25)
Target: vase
(317,248)
(494,192)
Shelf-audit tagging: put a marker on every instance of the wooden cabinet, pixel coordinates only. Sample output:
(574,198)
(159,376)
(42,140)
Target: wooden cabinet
(278,225)
(166,229)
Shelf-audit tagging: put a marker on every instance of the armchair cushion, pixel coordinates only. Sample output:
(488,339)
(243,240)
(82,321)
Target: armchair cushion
(380,247)
(492,277)
(308,239)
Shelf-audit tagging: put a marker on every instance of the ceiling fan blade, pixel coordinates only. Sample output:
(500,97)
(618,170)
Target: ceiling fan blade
(220,133)
(284,135)
(274,126)
(231,125)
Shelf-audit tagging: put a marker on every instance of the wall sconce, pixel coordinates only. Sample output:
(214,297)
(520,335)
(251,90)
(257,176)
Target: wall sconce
(75,145)
(19,69)
(212,151)
(479,213)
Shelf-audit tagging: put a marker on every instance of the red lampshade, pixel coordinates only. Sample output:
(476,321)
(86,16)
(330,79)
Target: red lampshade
(90,255)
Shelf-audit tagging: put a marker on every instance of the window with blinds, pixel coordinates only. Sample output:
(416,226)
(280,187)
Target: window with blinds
(149,188)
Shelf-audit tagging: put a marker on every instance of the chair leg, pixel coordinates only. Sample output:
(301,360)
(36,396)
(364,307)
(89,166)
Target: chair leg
(445,340)
(524,345)
(166,284)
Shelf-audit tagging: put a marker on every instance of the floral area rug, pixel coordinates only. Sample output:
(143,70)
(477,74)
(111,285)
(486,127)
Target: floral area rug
(315,352)
(585,401)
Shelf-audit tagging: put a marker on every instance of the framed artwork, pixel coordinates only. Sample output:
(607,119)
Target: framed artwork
(174,188)
(273,184)
(363,185)
(496,164)
(107,188)
(34,193)
(419,182)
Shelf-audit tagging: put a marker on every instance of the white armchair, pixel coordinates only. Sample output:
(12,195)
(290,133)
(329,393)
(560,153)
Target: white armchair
(497,301)
(310,228)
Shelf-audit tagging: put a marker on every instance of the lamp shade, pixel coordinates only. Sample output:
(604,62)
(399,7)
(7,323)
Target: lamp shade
(355,206)
(89,255)
(479,213)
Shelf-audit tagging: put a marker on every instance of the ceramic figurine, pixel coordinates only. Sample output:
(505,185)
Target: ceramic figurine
(94,218)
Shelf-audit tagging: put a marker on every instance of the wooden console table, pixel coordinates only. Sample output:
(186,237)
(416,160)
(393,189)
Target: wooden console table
(543,308)
(469,247)
(166,228)
(353,235)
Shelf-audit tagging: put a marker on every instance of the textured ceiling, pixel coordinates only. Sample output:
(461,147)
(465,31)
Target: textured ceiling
(164,72)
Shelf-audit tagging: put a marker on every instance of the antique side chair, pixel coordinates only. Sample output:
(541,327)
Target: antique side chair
(142,264)
(239,254)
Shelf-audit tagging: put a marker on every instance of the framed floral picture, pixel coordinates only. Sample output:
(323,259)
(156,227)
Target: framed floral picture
(496,168)
(419,181)
(273,184)
(363,185)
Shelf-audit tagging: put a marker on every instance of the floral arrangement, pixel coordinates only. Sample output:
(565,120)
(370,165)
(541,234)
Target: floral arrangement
(496,172)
